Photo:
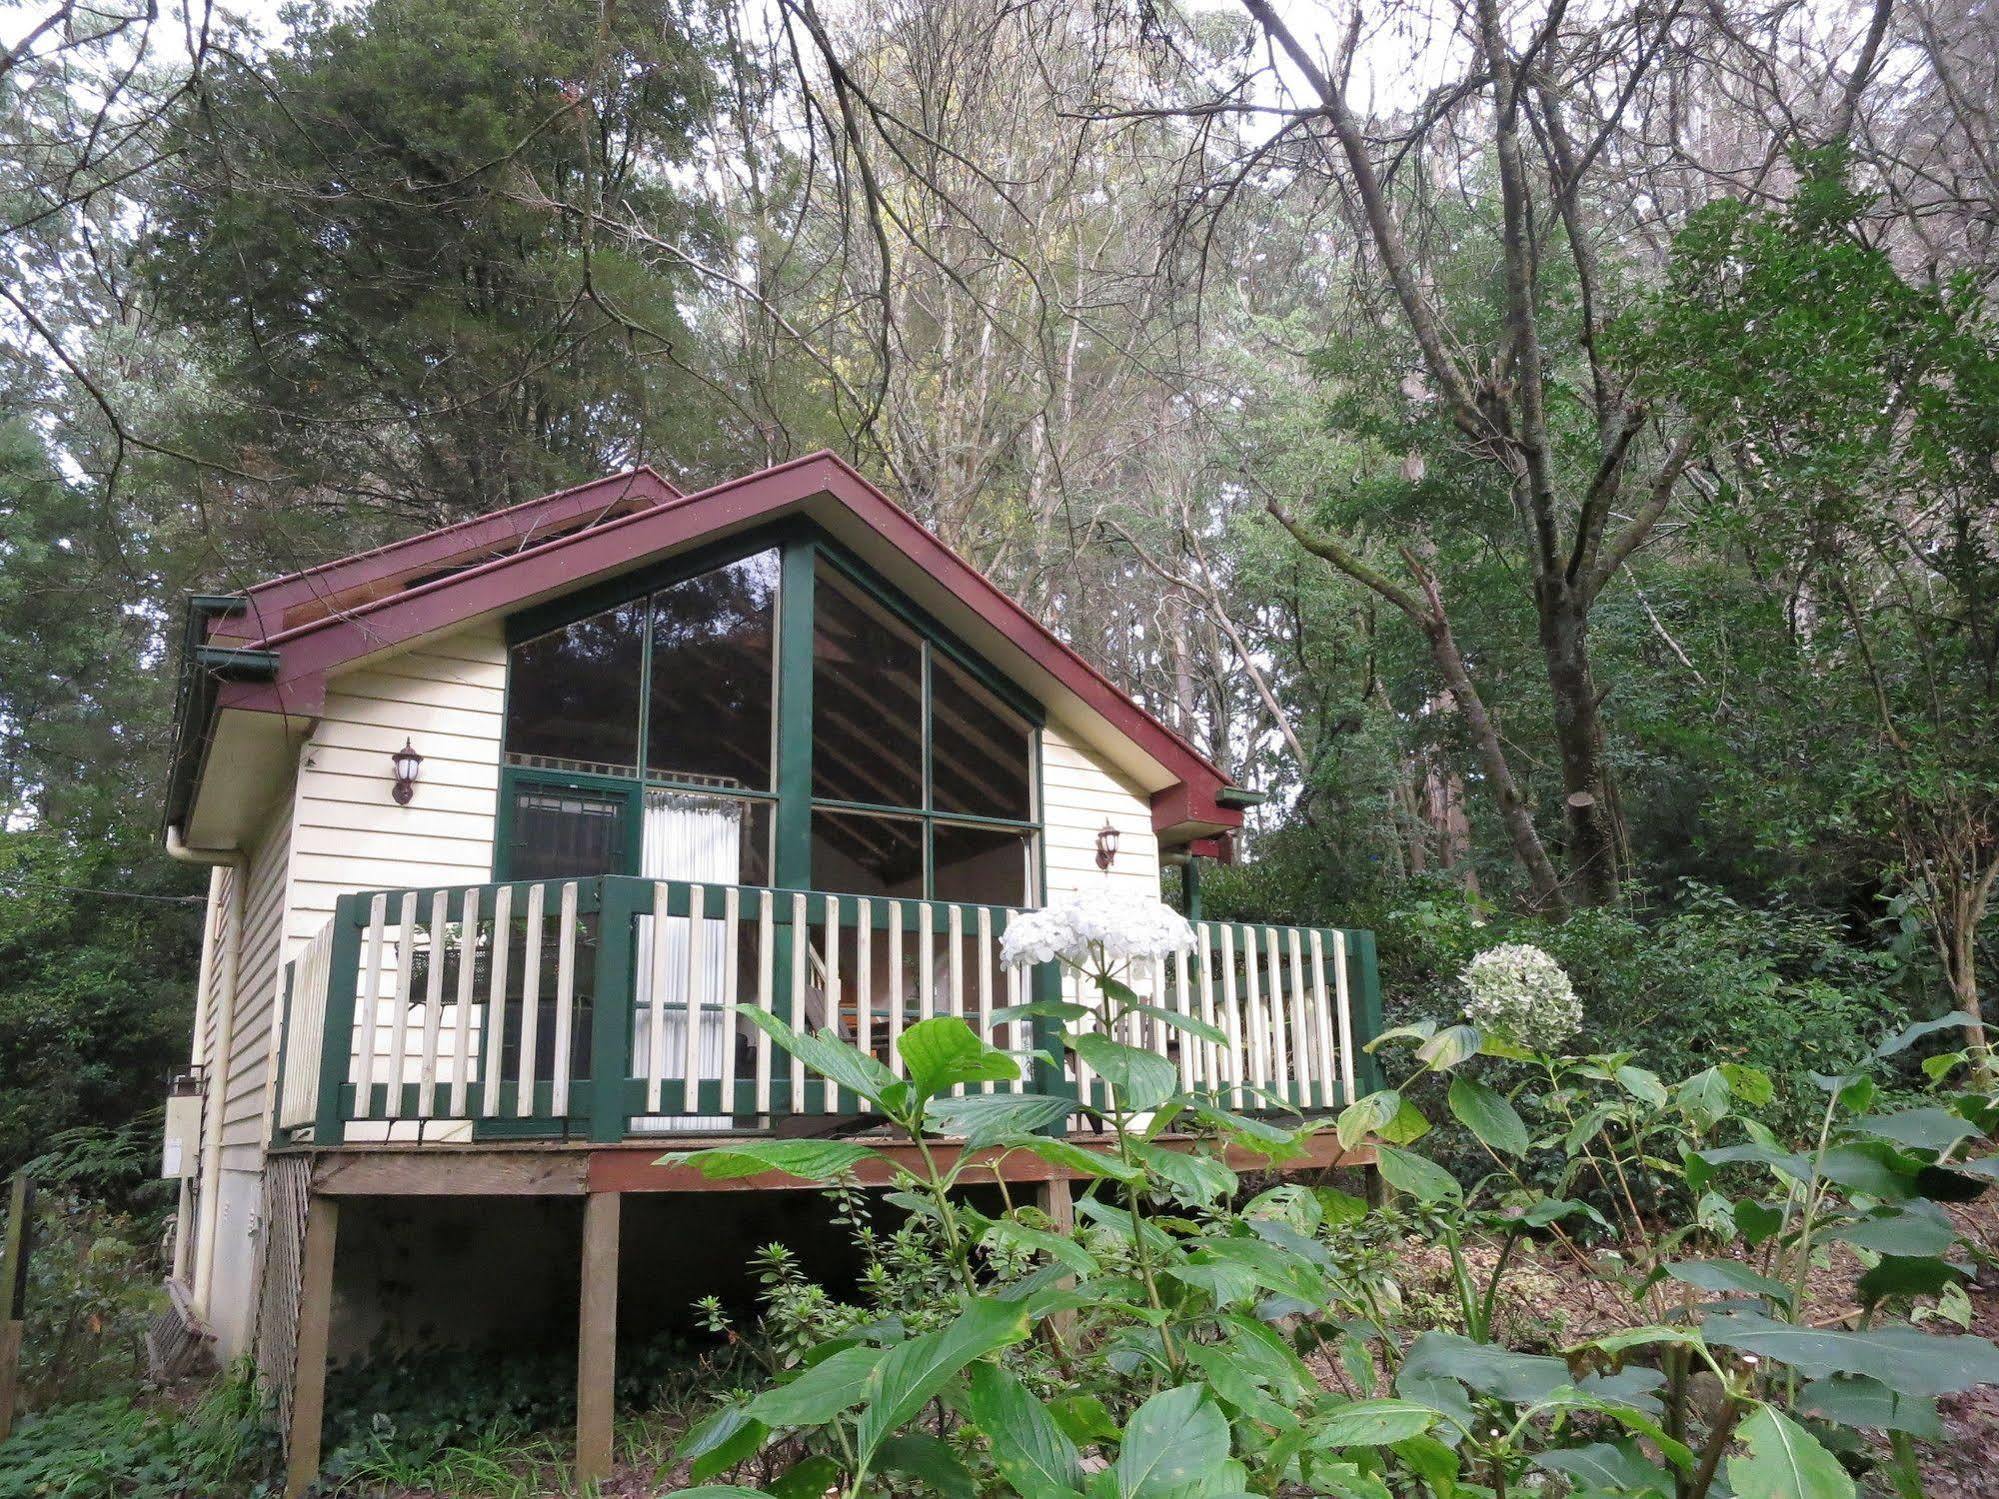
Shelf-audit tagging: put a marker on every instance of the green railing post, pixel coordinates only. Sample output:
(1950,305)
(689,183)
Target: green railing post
(611,1003)
(1050,1077)
(336,1041)
(1367,1023)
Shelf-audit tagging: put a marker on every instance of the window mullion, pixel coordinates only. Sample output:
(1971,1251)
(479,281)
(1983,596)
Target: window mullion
(792,858)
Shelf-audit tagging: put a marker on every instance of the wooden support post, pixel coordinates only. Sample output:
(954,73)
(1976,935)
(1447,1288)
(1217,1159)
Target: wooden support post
(315,1313)
(13,1281)
(597,1338)
(1054,1198)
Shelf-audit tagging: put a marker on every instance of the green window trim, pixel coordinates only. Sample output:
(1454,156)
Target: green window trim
(802,546)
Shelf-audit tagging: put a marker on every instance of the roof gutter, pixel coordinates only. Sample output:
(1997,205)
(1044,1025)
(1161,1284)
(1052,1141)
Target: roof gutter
(202,668)
(1238,797)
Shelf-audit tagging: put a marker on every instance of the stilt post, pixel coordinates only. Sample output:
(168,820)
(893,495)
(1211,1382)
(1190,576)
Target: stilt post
(315,1313)
(597,1338)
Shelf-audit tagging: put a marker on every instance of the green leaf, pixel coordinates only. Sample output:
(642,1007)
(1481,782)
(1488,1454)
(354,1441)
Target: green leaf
(1067,1011)
(834,1059)
(1614,1467)
(1522,1378)
(1756,1221)
(821,1392)
(1233,1383)
(1367,1116)
(1030,1449)
(1899,1275)
(808,1478)
(1909,1035)
(1143,1079)
(931,1460)
(1904,1359)
(1185,1023)
(1059,1247)
(1917,1228)
(1750,1084)
(1407,1127)
(1449,1047)
(1340,1208)
(1918,1129)
(986,1118)
(1174,1445)
(1728,1277)
(810,1160)
(1703,1098)
(1784,1461)
(1417,1175)
(1373,1423)
(719,1491)
(1642,1085)
(1084,1418)
(1073,1157)
(1196,1179)
(942,1052)
(1487,1114)
(728,1437)
(912,1372)
(1855,1400)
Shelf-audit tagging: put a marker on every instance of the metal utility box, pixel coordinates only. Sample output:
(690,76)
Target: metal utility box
(182,1147)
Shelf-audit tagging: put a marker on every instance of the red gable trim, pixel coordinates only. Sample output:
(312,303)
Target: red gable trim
(342,586)
(309,652)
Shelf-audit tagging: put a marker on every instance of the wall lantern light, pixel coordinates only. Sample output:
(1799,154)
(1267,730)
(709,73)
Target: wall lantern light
(407,763)
(1106,846)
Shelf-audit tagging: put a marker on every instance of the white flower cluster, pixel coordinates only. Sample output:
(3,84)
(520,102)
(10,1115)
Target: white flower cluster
(1521,993)
(1095,930)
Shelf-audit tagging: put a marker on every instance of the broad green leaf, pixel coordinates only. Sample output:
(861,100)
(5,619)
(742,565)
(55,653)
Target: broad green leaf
(1143,1079)
(1703,1098)
(1273,1359)
(1750,1084)
(1174,1445)
(836,1060)
(1643,1085)
(1909,1035)
(1084,1419)
(1918,1129)
(1225,1282)
(1185,1023)
(1486,1113)
(1904,1359)
(912,1372)
(1030,1449)
(1407,1127)
(1367,1116)
(1275,1268)
(728,1437)
(1232,1382)
(1784,1461)
(1918,1228)
(811,1160)
(1901,1275)
(986,1118)
(1417,1175)
(1194,1178)
(1855,1400)
(1490,1370)
(1756,1221)
(1728,1278)
(1052,1009)
(1640,1337)
(1372,1423)
(1449,1047)
(924,1457)
(1077,1158)
(1340,1208)
(808,1478)
(1059,1247)
(942,1052)
(1614,1467)
(1418,1030)
(821,1392)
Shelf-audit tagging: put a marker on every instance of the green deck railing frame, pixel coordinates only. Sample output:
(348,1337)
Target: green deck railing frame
(602,1114)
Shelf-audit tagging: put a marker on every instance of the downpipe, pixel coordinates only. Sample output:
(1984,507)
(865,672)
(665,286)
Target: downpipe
(236,864)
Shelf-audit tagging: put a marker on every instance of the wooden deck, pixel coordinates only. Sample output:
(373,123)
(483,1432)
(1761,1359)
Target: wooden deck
(579,1169)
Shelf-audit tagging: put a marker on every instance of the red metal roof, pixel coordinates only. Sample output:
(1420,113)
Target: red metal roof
(318,621)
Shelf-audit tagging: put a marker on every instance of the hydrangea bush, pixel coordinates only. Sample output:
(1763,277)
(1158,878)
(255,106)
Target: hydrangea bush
(1521,993)
(1096,932)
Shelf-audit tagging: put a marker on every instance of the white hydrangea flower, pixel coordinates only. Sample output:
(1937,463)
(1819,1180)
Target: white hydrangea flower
(1096,929)
(1519,992)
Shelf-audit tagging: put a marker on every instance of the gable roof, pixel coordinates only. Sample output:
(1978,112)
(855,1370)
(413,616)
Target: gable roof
(272,649)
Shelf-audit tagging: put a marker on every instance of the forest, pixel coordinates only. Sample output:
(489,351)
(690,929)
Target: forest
(1551,448)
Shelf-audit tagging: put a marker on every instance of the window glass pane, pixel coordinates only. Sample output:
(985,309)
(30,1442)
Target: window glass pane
(982,866)
(979,759)
(867,701)
(712,840)
(714,639)
(856,854)
(560,834)
(573,696)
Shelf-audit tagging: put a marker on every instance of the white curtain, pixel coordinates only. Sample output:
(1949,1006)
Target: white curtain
(698,839)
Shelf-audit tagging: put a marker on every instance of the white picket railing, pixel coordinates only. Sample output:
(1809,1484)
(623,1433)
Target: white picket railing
(476,1010)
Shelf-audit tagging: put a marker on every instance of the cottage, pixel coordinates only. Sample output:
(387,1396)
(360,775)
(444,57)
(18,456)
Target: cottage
(507,818)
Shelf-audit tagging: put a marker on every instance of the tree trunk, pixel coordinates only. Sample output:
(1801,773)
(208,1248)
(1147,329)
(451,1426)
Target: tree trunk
(1592,842)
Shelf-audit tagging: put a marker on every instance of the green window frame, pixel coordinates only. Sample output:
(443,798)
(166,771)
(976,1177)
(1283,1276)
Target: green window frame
(802,547)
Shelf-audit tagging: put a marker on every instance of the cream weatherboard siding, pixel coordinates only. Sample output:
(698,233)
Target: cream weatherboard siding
(1079,794)
(241,1084)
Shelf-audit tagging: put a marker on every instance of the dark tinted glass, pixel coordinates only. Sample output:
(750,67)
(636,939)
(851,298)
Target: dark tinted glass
(855,854)
(565,835)
(867,701)
(982,866)
(573,695)
(713,653)
(709,839)
(979,761)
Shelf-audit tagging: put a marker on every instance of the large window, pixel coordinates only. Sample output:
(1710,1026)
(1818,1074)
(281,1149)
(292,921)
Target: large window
(646,739)
(907,749)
